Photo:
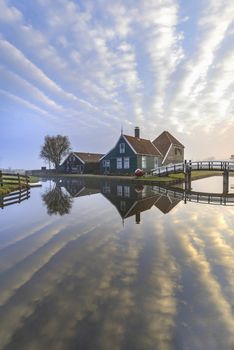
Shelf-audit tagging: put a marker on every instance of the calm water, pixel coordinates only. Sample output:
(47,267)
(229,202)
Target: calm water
(116,267)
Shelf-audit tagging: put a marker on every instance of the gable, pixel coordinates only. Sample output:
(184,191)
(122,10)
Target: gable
(115,151)
(164,141)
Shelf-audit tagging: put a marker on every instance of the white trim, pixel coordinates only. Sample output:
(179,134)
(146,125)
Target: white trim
(111,148)
(130,145)
(79,158)
(167,153)
(72,154)
(157,149)
(117,144)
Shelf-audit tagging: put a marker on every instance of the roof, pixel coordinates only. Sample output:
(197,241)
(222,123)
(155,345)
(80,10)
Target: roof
(89,157)
(142,146)
(166,204)
(164,141)
(141,205)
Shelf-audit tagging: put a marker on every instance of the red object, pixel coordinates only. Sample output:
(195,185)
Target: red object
(139,172)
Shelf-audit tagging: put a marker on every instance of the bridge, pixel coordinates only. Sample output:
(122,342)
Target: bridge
(194,196)
(187,166)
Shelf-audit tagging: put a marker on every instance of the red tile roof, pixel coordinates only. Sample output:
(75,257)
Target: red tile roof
(89,157)
(164,140)
(142,146)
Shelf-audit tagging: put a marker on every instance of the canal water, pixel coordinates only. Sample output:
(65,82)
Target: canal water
(113,266)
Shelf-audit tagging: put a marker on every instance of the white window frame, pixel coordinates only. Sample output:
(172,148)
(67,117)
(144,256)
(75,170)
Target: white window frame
(122,147)
(155,162)
(119,163)
(106,163)
(127,191)
(119,190)
(126,163)
(143,162)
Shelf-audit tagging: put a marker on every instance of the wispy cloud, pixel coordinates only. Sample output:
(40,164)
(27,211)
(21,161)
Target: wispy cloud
(153,64)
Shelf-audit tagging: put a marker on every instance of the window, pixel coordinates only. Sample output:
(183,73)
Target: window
(143,162)
(126,191)
(119,163)
(178,151)
(119,191)
(106,163)
(122,205)
(126,162)
(106,188)
(122,148)
(155,162)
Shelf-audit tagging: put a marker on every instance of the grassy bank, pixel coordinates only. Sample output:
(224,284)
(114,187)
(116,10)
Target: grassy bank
(195,175)
(147,179)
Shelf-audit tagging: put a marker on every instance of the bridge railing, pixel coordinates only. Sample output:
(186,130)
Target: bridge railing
(198,165)
(193,196)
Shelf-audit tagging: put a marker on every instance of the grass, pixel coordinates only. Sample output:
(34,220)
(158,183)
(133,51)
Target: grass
(180,176)
(33,179)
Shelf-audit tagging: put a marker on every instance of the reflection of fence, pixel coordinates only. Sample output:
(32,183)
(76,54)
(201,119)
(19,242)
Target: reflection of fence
(14,179)
(14,197)
(193,196)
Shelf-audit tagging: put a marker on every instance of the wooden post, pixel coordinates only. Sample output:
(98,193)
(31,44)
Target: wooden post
(225,181)
(1,178)
(19,182)
(1,202)
(27,180)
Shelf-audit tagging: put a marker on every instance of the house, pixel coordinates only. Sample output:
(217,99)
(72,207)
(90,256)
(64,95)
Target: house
(130,153)
(170,148)
(81,163)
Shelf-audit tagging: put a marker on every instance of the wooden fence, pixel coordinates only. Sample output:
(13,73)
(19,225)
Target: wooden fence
(14,197)
(20,188)
(9,179)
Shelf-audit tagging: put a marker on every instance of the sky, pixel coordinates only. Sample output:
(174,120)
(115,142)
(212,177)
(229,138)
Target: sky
(87,68)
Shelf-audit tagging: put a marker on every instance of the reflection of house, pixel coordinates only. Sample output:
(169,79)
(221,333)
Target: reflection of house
(130,153)
(171,149)
(128,199)
(80,162)
(78,188)
(166,203)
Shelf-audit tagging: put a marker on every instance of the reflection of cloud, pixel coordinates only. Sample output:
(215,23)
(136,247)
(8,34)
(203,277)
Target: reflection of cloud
(137,287)
(25,269)
(37,287)
(207,310)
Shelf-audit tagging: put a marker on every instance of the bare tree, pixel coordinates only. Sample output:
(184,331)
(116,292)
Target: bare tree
(55,148)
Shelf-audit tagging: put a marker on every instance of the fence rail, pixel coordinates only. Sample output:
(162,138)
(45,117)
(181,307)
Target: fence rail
(14,179)
(14,197)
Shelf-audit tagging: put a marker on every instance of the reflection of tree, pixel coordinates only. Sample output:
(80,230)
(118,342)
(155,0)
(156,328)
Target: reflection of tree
(57,201)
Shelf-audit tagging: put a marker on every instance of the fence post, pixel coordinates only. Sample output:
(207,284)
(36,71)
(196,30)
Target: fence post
(1,178)
(19,182)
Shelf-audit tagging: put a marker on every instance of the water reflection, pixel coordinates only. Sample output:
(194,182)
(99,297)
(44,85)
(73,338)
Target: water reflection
(129,200)
(56,201)
(85,281)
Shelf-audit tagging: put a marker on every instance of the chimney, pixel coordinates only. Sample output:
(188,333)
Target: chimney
(138,217)
(137,132)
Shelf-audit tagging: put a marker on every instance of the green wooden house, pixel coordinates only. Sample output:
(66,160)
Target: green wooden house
(129,154)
